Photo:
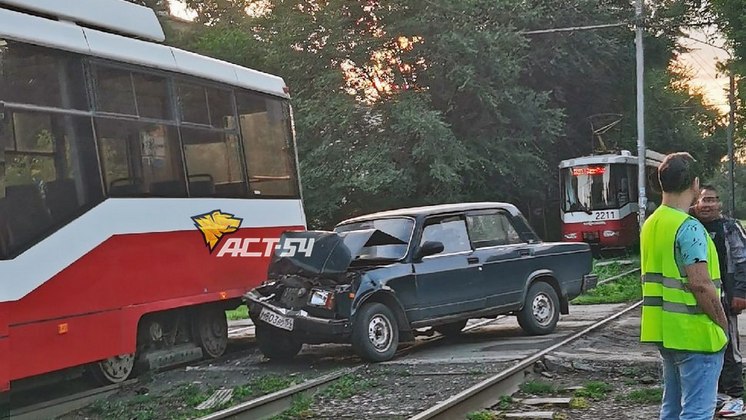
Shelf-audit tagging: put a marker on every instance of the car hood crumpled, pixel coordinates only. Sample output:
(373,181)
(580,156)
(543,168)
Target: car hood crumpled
(328,257)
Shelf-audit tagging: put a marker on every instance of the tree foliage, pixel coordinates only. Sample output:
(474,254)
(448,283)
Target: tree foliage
(408,102)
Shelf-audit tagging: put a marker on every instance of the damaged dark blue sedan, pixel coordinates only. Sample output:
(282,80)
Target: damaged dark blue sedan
(377,278)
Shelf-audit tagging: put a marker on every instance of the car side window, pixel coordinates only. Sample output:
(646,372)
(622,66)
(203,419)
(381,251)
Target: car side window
(451,232)
(492,230)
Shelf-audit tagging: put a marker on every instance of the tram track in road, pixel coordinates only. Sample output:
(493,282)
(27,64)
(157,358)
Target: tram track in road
(282,400)
(488,392)
(53,408)
(483,390)
(276,403)
(508,378)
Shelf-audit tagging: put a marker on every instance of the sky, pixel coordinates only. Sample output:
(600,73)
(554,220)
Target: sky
(701,60)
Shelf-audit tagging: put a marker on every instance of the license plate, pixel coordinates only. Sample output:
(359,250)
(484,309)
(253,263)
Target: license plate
(276,320)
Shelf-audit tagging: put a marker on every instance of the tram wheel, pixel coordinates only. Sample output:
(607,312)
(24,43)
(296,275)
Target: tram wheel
(113,370)
(211,331)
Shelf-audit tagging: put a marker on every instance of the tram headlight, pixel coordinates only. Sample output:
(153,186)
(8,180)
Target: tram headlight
(571,236)
(610,233)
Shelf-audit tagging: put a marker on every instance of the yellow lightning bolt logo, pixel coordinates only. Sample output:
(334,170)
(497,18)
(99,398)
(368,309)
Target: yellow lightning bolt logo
(214,225)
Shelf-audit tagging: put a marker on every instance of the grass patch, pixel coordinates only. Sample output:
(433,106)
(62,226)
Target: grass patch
(643,396)
(261,386)
(242,312)
(594,390)
(270,384)
(625,289)
(179,403)
(579,403)
(300,409)
(345,387)
(537,388)
(481,415)
(505,402)
(604,271)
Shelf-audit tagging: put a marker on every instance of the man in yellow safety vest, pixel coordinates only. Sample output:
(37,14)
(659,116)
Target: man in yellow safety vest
(681,309)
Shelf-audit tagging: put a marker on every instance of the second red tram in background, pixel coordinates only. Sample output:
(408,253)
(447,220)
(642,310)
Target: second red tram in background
(599,198)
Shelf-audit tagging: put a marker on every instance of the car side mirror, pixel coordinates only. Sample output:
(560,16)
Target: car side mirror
(429,248)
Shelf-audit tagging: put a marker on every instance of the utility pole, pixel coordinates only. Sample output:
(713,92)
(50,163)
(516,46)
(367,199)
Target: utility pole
(641,178)
(731,129)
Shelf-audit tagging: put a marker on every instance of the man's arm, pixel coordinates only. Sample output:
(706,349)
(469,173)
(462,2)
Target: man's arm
(692,246)
(736,238)
(700,284)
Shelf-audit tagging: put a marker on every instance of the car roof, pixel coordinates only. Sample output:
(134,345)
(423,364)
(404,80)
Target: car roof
(431,210)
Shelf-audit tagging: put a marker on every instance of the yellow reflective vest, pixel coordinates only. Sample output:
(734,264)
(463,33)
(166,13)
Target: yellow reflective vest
(670,314)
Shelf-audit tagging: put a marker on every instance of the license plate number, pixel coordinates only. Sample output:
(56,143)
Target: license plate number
(276,320)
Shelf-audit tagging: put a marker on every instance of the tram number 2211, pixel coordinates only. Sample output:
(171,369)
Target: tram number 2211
(604,215)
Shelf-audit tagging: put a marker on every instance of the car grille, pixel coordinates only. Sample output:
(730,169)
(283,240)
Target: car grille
(294,297)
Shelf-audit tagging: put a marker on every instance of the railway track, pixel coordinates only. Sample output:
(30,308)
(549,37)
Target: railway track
(272,403)
(277,402)
(53,408)
(487,393)
(484,394)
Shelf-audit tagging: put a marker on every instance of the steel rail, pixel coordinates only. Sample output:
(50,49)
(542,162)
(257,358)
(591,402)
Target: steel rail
(488,392)
(271,404)
(63,405)
(274,404)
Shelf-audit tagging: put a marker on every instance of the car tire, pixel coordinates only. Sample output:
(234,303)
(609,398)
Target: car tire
(375,333)
(540,312)
(451,329)
(276,344)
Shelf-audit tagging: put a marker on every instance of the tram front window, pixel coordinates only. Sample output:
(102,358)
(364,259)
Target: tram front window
(595,187)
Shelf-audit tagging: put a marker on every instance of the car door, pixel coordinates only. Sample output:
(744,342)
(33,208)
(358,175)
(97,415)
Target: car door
(503,254)
(448,282)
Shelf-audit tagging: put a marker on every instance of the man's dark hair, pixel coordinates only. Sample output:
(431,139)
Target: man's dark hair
(709,187)
(676,172)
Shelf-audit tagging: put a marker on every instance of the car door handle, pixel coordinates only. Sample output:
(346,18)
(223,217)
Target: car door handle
(524,252)
(472,260)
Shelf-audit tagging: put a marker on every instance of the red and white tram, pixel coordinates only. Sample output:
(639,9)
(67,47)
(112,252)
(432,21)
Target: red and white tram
(599,198)
(142,190)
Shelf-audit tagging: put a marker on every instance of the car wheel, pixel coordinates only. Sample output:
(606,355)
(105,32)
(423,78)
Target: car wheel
(276,344)
(540,313)
(451,329)
(375,333)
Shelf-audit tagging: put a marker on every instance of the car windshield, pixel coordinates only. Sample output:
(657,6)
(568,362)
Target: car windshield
(400,228)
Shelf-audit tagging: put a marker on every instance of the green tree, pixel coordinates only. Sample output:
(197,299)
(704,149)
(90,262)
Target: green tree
(415,102)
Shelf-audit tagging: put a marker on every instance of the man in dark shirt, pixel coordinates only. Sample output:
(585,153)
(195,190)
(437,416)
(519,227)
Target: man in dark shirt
(730,241)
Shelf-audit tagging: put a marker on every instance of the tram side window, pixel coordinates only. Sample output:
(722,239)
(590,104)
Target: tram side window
(114,91)
(140,159)
(213,163)
(41,76)
(50,175)
(152,96)
(205,105)
(120,91)
(270,158)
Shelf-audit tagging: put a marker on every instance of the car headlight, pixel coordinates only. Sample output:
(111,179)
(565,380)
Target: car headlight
(573,235)
(610,233)
(321,298)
